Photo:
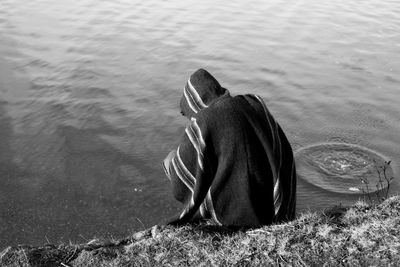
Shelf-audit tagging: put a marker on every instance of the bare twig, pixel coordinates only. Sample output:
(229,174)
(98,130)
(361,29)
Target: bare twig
(144,228)
(382,186)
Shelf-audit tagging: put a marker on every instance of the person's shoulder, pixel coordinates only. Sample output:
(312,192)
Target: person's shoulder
(214,113)
(216,108)
(237,102)
(221,109)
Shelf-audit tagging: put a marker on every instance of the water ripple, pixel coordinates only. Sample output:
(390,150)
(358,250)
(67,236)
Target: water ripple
(341,168)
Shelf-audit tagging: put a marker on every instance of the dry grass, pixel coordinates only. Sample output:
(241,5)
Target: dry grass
(360,235)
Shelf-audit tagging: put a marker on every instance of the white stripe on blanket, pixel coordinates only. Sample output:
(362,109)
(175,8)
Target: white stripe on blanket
(196,96)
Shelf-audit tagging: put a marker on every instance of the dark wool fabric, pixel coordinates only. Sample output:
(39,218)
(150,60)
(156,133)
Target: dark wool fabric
(234,164)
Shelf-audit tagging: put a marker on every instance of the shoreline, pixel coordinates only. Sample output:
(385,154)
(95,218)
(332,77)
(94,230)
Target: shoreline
(361,234)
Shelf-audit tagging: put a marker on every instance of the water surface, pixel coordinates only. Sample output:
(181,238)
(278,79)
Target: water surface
(89,94)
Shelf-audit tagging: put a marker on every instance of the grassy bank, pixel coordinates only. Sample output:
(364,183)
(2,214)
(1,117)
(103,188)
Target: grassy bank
(359,235)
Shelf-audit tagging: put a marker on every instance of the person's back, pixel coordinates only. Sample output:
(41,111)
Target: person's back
(234,164)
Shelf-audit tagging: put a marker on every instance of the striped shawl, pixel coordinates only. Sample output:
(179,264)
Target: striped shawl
(234,164)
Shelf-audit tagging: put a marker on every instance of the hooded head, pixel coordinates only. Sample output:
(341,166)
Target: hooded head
(200,91)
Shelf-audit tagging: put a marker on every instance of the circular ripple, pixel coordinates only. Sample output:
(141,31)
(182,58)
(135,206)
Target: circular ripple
(340,168)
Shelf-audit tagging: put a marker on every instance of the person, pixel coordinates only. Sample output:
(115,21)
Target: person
(234,165)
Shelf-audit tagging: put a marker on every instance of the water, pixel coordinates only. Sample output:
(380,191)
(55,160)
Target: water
(89,94)
(344,168)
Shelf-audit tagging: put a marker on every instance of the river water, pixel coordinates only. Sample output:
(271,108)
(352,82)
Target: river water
(89,94)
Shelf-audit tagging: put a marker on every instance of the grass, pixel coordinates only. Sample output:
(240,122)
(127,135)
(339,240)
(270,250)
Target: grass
(363,234)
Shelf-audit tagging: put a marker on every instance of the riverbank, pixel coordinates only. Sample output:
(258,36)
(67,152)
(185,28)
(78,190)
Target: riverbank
(358,235)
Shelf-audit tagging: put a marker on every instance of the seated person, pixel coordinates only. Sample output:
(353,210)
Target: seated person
(234,165)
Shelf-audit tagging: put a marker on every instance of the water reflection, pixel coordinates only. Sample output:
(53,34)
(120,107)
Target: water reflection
(10,174)
(89,97)
(73,178)
(66,171)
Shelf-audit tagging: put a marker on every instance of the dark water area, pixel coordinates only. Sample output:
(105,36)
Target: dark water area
(89,94)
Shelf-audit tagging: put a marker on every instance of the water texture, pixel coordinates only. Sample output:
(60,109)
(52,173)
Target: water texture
(89,94)
(343,168)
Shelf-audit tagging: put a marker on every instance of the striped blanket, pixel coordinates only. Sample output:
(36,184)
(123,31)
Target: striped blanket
(234,164)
